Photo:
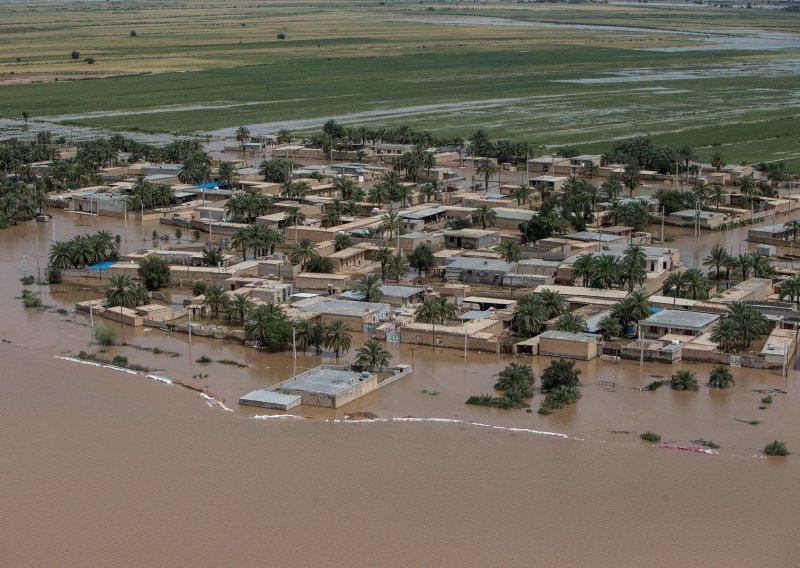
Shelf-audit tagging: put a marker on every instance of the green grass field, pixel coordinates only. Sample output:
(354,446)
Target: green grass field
(205,67)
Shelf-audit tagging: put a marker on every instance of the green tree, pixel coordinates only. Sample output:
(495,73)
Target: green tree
(484,216)
(509,251)
(560,373)
(239,307)
(721,377)
(610,326)
(529,315)
(216,299)
(370,286)
(421,258)
(155,272)
(303,252)
(338,336)
(583,268)
(371,355)
(552,301)
(572,323)
(242,135)
(121,291)
(488,169)
(684,380)
(632,267)
(227,175)
(632,177)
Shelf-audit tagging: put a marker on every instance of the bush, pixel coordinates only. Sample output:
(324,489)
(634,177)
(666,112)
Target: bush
(776,448)
(119,361)
(651,437)
(54,275)
(196,235)
(767,400)
(199,288)
(281,36)
(560,373)
(27,280)
(133,33)
(89,60)
(155,272)
(157,351)
(655,385)
(31,300)
(684,380)
(205,360)
(105,334)
(76,55)
(62,312)
(706,444)
(560,397)
(178,234)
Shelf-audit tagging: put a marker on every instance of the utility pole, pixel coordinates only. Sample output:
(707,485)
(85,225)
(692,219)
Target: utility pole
(641,347)
(294,343)
(190,325)
(662,225)
(38,269)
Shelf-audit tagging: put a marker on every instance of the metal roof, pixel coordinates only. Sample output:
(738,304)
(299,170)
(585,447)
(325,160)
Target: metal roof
(343,307)
(488,264)
(423,213)
(270,397)
(568,336)
(476,314)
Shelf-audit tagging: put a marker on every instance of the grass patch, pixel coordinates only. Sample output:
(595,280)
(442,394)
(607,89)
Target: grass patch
(706,443)
(105,334)
(655,385)
(205,360)
(232,363)
(27,280)
(62,312)
(31,300)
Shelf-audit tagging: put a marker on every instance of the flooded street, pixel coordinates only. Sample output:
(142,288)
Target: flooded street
(107,468)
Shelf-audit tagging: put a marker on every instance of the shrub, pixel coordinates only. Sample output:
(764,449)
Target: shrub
(650,437)
(228,362)
(105,334)
(560,397)
(655,385)
(205,360)
(76,55)
(767,400)
(178,234)
(155,272)
(119,361)
(776,448)
(281,36)
(62,312)
(706,444)
(157,351)
(196,235)
(133,33)
(27,280)
(31,300)
(89,60)
(199,288)
(560,373)
(54,275)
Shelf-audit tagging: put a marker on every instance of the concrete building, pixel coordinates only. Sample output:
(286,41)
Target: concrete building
(708,219)
(582,346)
(480,335)
(471,239)
(361,316)
(396,296)
(330,284)
(410,241)
(677,322)
(511,219)
(748,290)
(477,270)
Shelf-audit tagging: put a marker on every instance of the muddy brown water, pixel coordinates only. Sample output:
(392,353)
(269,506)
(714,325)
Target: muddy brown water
(99,467)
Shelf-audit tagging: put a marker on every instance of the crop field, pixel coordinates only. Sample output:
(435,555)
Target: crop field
(721,79)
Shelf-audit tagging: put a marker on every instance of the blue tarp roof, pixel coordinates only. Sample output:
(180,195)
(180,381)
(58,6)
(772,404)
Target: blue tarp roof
(101,266)
(207,186)
(654,310)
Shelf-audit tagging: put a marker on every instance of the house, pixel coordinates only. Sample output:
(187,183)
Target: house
(767,233)
(566,345)
(330,283)
(361,316)
(750,289)
(507,218)
(471,239)
(708,219)
(480,334)
(477,270)
(544,165)
(539,267)
(475,200)
(396,296)
(548,184)
(410,241)
(677,322)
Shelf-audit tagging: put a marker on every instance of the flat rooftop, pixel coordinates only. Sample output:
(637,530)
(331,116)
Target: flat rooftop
(681,319)
(324,381)
(568,336)
(269,399)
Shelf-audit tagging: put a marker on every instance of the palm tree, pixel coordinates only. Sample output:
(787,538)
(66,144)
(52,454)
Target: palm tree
(372,355)
(552,301)
(612,187)
(61,254)
(632,177)
(750,324)
(242,135)
(632,267)
(610,326)
(684,380)
(488,169)
(717,161)
(241,239)
(370,286)
(337,337)
(583,267)
(484,216)
(674,285)
(342,241)
(572,323)
(514,374)
(391,224)
(522,193)
(383,255)
(331,218)
(227,174)
(378,194)
(726,335)
(721,377)
(606,270)
(303,252)
(790,288)
(430,191)
(529,315)
(398,266)
(216,299)
(345,186)
(239,307)
(121,291)
(294,216)
(433,311)
(716,258)
(257,326)
(744,263)
(793,226)
(696,284)
(718,195)
(509,251)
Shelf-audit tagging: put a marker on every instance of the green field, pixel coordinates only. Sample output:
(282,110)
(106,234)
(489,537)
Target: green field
(207,67)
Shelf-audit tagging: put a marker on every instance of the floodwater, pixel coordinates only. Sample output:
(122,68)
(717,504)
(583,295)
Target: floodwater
(101,467)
